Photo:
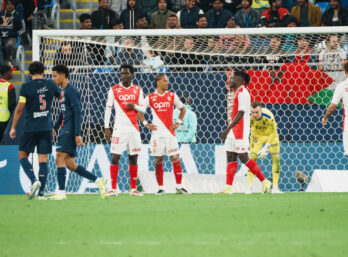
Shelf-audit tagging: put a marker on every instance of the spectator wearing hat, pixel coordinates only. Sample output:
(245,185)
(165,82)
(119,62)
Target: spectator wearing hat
(7,98)
(218,16)
(188,15)
(307,15)
(101,18)
(129,15)
(335,15)
(275,16)
(248,17)
(159,17)
(202,22)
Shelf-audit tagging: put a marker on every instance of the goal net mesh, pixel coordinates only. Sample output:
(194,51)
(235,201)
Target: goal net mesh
(293,75)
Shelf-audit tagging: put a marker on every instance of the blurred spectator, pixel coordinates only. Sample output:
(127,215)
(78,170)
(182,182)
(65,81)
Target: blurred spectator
(188,15)
(260,6)
(289,4)
(10,27)
(159,17)
(218,16)
(101,19)
(205,5)
(7,98)
(171,42)
(331,58)
(71,54)
(336,15)
(240,58)
(186,132)
(148,6)
(248,17)
(303,51)
(307,15)
(233,5)
(202,22)
(85,21)
(212,60)
(152,63)
(111,50)
(176,5)
(129,54)
(274,54)
(229,41)
(173,22)
(141,21)
(128,16)
(118,6)
(290,44)
(275,16)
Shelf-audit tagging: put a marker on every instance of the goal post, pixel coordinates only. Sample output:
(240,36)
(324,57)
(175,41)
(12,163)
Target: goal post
(294,72)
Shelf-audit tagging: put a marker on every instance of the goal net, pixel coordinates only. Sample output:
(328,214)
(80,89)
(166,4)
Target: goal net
(294,72)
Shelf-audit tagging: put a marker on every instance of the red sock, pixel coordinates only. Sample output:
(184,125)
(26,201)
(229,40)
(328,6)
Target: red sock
(230,172)
(133,172)
(177,172)
(159,174)
(113,175)
(254,168)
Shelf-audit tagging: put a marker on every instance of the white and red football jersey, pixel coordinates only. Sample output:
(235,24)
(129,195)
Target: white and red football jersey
(341,94)
(241,102)
(162,108)
(126,120)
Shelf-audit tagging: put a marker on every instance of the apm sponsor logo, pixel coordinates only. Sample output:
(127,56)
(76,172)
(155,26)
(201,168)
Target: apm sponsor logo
(127,98)
(161,105)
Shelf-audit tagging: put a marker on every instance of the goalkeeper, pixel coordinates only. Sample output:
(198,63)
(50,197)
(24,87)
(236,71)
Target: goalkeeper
(264,139)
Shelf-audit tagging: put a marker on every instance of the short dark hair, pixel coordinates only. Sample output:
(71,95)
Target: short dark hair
(345,66)
(36,68)
(222,1)
(172,15)
(85,16)
(159,76)
(256,104)
(140,16)
(4,69)
(14,2)
(61,69)
(127,66)
(244,75)
(115,22)
(200,16)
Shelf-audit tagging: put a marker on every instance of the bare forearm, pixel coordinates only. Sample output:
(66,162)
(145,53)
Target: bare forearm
(236,119)
(182,113)
(17,116)
(330,110)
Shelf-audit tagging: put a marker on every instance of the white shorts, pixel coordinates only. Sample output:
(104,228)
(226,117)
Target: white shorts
(345,142)
(237,145)
(123,141)
(160,146)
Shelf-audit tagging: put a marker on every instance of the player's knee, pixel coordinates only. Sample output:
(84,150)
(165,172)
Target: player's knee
(115,159)
(22,155)
(231,157)
(243,157)
(276,163)
(71,165)
(159,159)
(175,158)
(60,160)
(133,159)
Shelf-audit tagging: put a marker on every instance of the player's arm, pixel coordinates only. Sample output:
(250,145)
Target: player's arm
(178,104)
(107,114)
(76,108)
(18,114)
(57,124)
(140,106)
(192,126)
(337,97)
(236,119)
(330,110)
(274,132)
(141,117)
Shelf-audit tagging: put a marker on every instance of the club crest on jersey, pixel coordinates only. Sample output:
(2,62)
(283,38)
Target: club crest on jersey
(169,98)
(134,91)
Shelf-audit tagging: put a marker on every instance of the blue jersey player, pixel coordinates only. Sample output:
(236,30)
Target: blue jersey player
(70,134)
(36,96)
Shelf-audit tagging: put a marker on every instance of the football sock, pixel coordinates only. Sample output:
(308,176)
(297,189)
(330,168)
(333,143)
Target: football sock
(28,169)
(42,177)
(250,177)
(159,174)
(113,175)
(61,178)
(133,172)
(230,172)
(254,168)
(177,172)
(84,173)
(275,169)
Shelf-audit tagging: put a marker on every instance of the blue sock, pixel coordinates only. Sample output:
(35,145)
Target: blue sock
(28,169)
(84,173)
(42,177)
(61,178)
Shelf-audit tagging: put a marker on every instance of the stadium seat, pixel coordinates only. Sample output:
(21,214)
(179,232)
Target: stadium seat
(323,6)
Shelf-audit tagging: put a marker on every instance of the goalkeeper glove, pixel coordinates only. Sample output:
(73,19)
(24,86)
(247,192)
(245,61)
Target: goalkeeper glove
(264,151)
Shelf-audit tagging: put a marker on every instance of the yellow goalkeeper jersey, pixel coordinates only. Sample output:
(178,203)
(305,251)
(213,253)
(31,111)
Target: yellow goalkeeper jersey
(264,127)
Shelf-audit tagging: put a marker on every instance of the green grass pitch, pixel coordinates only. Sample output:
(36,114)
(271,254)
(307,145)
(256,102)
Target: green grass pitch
(292,224)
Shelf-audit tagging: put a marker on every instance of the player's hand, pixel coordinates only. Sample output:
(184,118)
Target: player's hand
(224,134)
(174,126)
(130,106)
(13,133)
(264,151)
(324,121)
(53,132)
(78,141)
(107,134)
(151,127)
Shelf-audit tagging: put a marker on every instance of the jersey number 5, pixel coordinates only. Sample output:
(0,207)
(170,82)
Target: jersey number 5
(42,102)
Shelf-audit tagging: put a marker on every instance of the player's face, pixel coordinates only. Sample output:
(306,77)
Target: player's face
(163,83)
(236,81)
(256,113)
(58,78)
(87,24)
(126,75)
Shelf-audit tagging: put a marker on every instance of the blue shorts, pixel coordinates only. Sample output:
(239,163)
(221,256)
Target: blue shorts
(40,139)
(67,144)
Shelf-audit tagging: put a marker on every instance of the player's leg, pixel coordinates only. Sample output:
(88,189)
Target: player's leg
(255,146)
(274,151)
(177,169)
(114,168)
(159,174)
(232,164)
(43,171)
(254,168)
(61,176)
(133,149)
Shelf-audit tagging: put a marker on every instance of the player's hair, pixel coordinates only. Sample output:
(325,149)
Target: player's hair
(345,66)
(256,104)
(127,66)
(158,77)
(61,69)
(36,68)
(200,16)
(85,16)
(244,75)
